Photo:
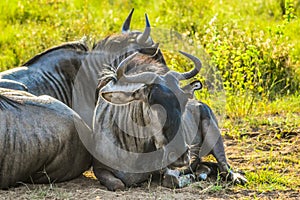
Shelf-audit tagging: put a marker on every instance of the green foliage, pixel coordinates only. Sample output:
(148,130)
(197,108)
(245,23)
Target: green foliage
(289,9)
(253,46)
(266,180)
(255,52)
(251,62)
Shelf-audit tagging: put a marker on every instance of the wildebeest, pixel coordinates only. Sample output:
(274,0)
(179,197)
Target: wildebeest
(69,72)
(39,140)
(145,122)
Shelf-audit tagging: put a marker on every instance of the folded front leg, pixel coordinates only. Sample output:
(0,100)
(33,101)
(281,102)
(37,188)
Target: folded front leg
(212,143)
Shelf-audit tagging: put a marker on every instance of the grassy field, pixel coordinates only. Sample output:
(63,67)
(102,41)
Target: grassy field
(253,49)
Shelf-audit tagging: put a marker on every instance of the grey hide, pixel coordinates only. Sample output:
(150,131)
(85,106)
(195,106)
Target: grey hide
(39,141)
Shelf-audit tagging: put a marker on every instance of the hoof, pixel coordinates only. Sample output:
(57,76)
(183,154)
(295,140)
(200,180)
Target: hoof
(114,185)
(108,179)
(237,178)
(229,175)
(203,172)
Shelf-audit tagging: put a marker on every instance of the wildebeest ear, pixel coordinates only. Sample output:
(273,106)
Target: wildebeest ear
(149,50)
(155,52)
(191,87)
(122,97)
(196,85)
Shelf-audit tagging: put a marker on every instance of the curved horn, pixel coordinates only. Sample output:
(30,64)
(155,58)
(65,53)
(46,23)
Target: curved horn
(146,77)
(145,35)
(126,24)
(193,72)
(122,66)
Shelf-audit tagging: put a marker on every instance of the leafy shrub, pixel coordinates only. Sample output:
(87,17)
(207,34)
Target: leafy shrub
(253,48)
(253,45)
(253,62)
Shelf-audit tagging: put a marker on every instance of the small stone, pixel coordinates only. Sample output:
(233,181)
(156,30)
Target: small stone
(185,180)
(202,176)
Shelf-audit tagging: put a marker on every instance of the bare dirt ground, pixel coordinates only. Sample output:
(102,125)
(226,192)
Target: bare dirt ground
(252,152)
(87,188)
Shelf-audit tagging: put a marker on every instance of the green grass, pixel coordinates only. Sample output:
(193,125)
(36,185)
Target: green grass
(43,192)
(269,145)
(252,46)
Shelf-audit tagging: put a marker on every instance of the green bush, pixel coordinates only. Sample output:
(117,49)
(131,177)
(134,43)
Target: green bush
(251,62)
(253,46)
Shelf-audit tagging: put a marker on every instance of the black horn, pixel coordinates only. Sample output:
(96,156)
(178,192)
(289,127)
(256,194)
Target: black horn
(122,66)
(145,35)
(126,24)
(191,73)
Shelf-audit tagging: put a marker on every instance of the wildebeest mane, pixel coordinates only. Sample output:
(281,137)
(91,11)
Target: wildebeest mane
(146,63)
(77,45)
(106,41)
(153,64)
(99,43)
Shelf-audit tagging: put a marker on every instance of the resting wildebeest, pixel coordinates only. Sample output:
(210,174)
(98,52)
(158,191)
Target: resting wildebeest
(69,72)
(144,122)
(39,141)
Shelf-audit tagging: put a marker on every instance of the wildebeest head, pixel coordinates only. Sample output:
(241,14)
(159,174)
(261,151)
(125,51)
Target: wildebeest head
(151,82)
(139,78)
(128,40)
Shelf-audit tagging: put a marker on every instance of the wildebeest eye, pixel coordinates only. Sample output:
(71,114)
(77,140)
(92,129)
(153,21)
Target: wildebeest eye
(101,84)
